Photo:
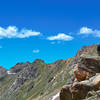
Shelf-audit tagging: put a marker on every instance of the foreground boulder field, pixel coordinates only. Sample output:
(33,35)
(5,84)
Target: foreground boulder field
(76,78)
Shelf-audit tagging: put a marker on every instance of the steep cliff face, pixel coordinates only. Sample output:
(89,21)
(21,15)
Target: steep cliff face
(75,78)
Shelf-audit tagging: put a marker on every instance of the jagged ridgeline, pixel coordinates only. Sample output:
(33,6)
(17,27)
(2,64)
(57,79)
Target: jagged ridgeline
(76,78)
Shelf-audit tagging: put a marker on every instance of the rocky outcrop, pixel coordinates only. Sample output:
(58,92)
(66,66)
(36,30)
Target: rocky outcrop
(39,61)
(87,75)
(3,72)
(30,71)
(19,67)
(86,67)
(80,90)
(88,50)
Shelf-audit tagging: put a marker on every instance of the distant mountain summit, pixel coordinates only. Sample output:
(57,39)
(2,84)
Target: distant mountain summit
(76,78)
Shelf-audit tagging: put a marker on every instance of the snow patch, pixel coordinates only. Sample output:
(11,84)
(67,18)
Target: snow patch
(55,96)
(10,72)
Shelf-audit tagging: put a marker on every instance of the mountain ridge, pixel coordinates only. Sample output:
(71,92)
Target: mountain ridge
(54,81)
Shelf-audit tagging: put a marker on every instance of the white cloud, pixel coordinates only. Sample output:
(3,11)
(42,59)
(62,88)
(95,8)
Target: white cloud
(36,51)
(89,31)
(14,32)
(86,30)
(61,36)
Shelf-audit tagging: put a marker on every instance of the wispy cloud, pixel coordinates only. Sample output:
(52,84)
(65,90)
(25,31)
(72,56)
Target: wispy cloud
(14,32)
(61,36)
(89,31)
(36,51)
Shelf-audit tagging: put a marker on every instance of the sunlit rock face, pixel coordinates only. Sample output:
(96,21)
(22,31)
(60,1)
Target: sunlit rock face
(86,67)
(87,75)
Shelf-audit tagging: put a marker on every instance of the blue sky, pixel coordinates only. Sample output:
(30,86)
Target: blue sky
(46,29)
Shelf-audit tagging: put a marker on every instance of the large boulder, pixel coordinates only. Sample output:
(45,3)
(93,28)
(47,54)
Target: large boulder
(80,90)
(65,93)
(93,82)
(87,67)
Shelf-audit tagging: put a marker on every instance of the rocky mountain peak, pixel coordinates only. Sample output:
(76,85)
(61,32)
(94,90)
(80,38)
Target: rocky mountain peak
(38,61)
(18,67)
